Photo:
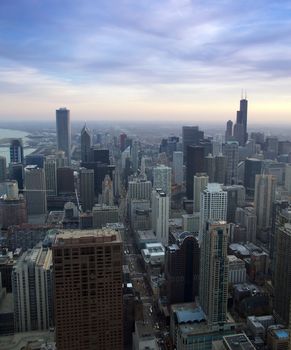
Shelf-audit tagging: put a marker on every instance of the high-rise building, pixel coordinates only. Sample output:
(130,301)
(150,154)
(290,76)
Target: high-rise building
(87,188)
(122,141)
(65,181)
(61,159)
(139,188)
(210,167)
(178,167)
(64,132)
(200,183)
(213,289)
(103,214)
(134,156)
(160,215)
(2,169)
(191,135)
(232,158)
(163,178)
(240,128)
(88,267)
(228,132)
(107,191)
(220,169)
(194,164)
(86,143)
(282,273)
(235,198)
(213,206)
(253,167)
(50,169)
(182,269)
(288,178)
(265,186)
(16,151)
(12,206)
(35,159)
(35,190)
(16,172)
(32,290)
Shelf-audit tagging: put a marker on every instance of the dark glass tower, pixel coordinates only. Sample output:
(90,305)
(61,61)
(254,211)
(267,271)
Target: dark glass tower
(86,143)
(194,164)
(16,151)
(63,125)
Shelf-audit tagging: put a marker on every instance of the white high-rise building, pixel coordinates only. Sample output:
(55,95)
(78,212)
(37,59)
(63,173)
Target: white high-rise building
(213,206)
(199,184)
(265,187)
(139,189)
(160,215)
(162,178)
(32,290)
(214,272)
(178,168)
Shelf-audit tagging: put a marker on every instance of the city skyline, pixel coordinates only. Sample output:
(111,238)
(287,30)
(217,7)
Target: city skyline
(156,61)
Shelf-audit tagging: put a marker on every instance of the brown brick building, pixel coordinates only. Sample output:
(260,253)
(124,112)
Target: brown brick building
(88,290)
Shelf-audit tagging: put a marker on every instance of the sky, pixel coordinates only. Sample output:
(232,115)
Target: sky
(175,60)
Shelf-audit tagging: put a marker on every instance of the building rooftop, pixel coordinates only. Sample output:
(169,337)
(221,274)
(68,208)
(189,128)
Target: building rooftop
(238,342)
(280,333)
(213,187)
(69,237)
(190,316)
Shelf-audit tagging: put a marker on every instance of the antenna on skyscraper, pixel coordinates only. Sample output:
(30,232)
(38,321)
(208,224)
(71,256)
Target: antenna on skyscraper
(245,94)
(242,93)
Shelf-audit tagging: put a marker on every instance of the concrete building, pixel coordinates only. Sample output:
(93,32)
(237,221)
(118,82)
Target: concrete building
(139,188)
(13,211)
(288,178)
(32,290)
(265,187)
(233,342)
(35,190)
(88,266)
(87,194)
(63,126)
(107,191)
(214,272)
(103,214)
(178,168)
(163,178)
(140,214)
(237,270)
(160,215)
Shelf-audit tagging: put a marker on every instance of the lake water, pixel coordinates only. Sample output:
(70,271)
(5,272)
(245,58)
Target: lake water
(16,134)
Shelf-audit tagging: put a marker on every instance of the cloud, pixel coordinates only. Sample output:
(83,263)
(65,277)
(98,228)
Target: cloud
(146,48)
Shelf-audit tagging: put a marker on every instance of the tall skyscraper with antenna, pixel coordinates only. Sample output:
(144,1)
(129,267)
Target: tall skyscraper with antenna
(240,128)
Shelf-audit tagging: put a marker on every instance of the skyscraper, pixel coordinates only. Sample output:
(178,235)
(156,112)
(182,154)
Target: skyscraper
(265,186)
(160,215)
(182,269)
(64,132)
(88,267)
(200,183)
(220,169)
(228,132)
(50,169)
(240,128)
(282,273)
(32,290)
(210,167)
(253,167)
(178,167)
(163,178)
(86,143)
(213,289)
(231,155)
(16,151)
(2,169)
(191,135)
(194,164)
(87,188)
(35,190)
(213,206)
(134,156)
